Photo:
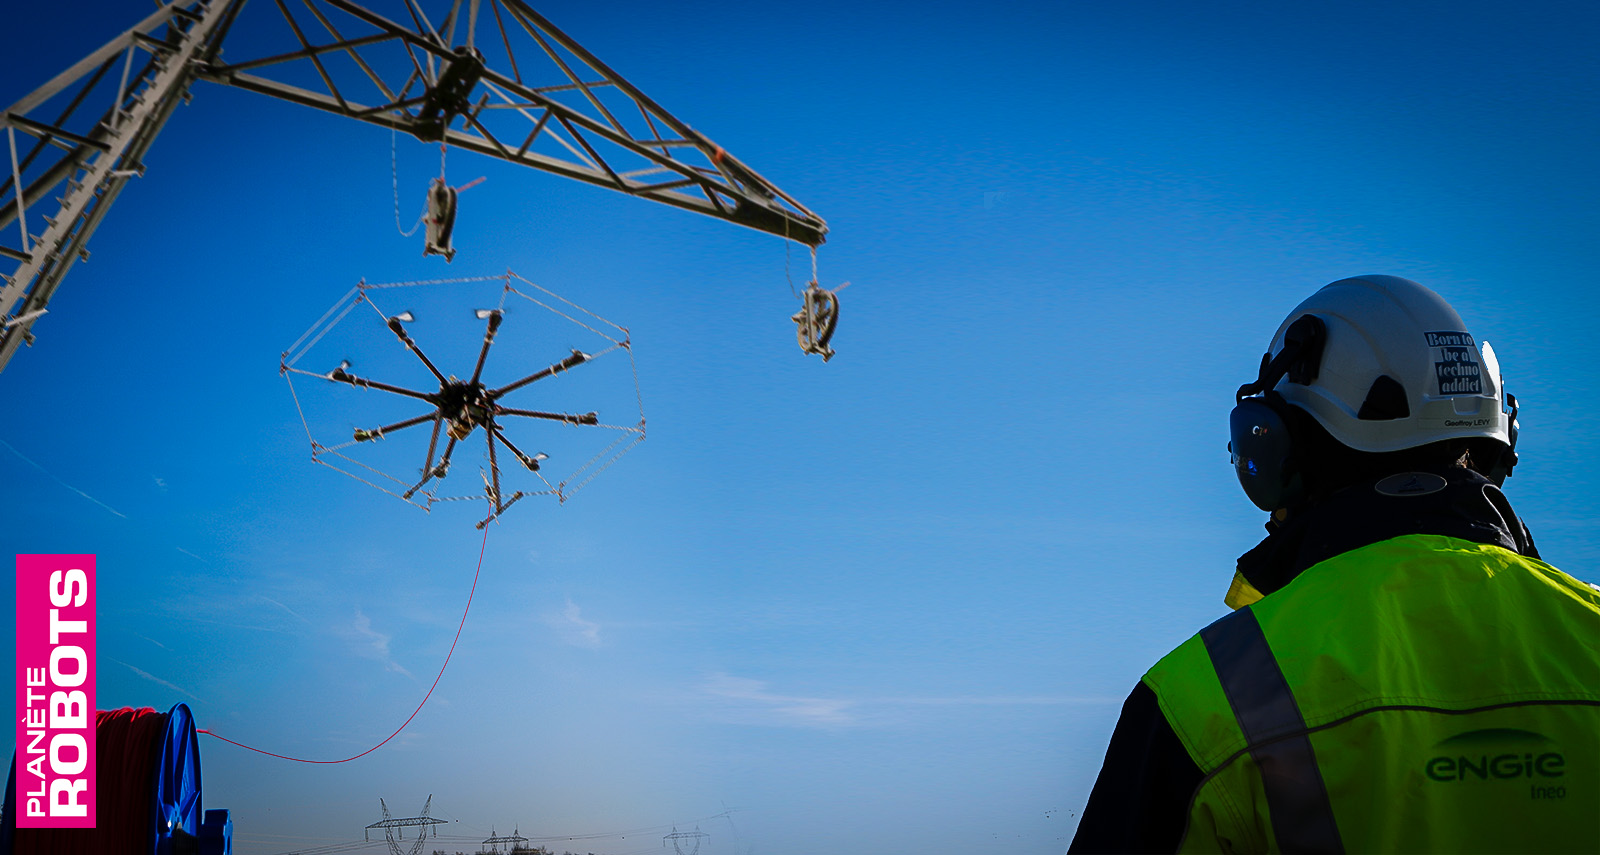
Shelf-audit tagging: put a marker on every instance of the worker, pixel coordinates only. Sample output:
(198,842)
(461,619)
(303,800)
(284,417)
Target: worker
(1401,672)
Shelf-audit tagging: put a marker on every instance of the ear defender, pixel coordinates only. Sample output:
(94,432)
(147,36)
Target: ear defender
(1263,454)
(1262,445)
(1501,470)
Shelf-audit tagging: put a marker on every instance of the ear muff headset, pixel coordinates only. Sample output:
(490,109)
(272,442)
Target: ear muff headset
(1507,459)
(1263,451)
(1265,456)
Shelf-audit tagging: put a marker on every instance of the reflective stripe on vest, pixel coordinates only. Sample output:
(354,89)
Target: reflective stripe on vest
(1302,817)
(1427,670)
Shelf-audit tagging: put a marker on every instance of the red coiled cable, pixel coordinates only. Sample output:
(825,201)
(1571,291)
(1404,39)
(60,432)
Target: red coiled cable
(414,712)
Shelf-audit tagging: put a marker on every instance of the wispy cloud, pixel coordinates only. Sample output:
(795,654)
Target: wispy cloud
(752,702)
(1000,701)
(232,624)
(235,607)
(370,643)
(53,477)
(573,628)
(157,680)
(292,612)
(751,699)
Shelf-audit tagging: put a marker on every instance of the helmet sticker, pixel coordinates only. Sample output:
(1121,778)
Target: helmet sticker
(1457,364)
(1411,484)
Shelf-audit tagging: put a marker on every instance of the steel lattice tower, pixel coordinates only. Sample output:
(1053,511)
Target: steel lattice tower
(686,842)
(395,828)
(513,842)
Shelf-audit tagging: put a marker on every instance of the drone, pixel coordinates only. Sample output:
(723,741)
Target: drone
(461,407)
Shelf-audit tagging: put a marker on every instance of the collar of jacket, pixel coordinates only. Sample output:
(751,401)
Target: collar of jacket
(1454,502)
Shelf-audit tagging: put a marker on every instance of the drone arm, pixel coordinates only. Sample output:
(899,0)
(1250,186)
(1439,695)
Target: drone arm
(578,357)
(433,441)
(494,469)
(569,418)
(341,376)
(400,332)
(377,433)
(488,339)
(500,509)
(531,463)
(440,470)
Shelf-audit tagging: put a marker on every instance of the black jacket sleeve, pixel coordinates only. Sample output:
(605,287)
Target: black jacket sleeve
(1140,802)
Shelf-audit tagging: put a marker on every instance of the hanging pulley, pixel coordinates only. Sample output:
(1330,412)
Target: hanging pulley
(441,219)
(817,319)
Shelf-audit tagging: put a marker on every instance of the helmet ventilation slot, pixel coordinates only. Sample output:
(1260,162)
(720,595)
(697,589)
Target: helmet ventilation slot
(1385,400)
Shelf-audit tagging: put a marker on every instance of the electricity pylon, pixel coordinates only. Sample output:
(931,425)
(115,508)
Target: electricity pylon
(393,828)
(501,81)
(514,841)
(685,842)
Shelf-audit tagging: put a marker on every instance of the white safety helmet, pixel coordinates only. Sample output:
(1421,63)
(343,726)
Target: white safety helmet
(1440,384)
(1383,364)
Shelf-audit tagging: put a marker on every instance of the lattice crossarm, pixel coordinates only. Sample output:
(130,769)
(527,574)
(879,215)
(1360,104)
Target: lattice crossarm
(459,84)
(736,171)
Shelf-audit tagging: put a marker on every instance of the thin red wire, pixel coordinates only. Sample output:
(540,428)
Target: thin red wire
(425,698)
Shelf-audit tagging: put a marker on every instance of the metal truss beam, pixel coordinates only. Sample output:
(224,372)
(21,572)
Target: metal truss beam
(82,133)
(522,91)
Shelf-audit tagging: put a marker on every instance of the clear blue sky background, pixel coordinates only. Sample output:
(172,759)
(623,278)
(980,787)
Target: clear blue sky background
(886,604)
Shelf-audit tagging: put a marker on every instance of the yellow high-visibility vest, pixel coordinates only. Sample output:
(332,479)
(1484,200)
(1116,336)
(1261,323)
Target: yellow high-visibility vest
(1421,694)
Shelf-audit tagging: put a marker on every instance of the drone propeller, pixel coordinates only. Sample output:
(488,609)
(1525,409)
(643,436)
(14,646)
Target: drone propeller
(532,463)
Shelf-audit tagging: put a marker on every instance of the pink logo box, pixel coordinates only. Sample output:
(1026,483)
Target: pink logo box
(55,772)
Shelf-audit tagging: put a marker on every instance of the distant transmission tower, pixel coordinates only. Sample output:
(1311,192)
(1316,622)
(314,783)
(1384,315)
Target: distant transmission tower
(685,842)
(395,828)
(513,843)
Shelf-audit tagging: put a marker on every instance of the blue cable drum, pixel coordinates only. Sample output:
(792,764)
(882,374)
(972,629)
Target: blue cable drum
(165,748)
(175,811)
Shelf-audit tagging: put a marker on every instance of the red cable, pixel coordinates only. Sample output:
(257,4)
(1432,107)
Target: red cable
(424,697)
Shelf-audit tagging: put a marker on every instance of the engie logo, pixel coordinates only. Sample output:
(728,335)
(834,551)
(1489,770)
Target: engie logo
(55,762)
(1483,767)
(1500,754)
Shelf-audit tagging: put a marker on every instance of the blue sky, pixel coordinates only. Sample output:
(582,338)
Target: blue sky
(886,604)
